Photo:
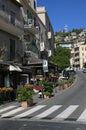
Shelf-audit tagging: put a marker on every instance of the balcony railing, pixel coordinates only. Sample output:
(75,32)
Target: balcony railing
(31,26)
(6,17)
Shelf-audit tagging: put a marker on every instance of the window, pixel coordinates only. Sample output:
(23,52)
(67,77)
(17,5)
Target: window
(29,14)
(3,7)
(12,49)
(34,5)
(12,20)
(82,54)
(82,48)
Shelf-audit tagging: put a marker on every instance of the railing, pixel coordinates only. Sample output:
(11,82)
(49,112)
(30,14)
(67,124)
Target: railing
(6,18)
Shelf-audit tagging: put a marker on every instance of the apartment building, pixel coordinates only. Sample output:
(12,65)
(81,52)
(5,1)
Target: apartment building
(43,15)
(11,28)
(11,46)
(31,29)
(80,56)
(38,42)
(24,41)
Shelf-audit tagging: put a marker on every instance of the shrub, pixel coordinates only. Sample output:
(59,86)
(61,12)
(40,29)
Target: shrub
(47,86)
(5,94)
(25,93)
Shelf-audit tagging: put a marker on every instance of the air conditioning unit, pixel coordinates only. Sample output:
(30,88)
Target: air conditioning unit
(42,46)
(27,54)
(49,35)
(25,19)
(49,53)
(29,21)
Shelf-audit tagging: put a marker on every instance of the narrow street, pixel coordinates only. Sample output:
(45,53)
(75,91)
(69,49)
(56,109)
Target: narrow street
(66,107)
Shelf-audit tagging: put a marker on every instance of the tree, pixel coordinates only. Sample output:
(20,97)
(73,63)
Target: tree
(84,65)
(62,57)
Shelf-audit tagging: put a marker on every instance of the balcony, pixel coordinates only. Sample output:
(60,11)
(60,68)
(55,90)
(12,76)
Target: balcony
(77,63)
(49,35)
(30,26)
(6,25)
(77,57)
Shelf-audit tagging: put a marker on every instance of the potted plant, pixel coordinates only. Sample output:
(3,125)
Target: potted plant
(46,94)
(25,95)
(61,84)
(47,88)
(5,94)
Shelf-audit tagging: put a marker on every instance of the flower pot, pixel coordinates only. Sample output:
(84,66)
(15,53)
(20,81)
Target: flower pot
(46,96)
(24,104)
(65,85)
(61,87)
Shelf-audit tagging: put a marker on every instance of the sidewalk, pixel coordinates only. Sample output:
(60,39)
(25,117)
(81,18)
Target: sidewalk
(36,99)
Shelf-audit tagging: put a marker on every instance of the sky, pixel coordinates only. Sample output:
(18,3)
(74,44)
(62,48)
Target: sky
(65,12)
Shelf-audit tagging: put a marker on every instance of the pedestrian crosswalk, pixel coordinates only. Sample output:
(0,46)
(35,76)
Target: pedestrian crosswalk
(28,112)
(57,112)
(67,112)
(48,111)
(82,116)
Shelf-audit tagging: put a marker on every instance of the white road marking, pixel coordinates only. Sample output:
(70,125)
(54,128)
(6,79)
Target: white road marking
(48,111)
(28,112)
(82,116)
(66,112)
(7,108)
(12,112)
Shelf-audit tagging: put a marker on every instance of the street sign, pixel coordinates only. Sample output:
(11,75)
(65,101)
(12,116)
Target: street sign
(45,65)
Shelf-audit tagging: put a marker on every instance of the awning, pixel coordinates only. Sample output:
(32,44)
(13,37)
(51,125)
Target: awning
(14,68)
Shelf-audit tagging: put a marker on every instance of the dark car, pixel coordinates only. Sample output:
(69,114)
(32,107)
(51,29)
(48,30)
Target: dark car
(84,70)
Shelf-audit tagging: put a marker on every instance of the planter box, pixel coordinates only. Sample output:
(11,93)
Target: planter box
(45,96)
(61,87)
(24,104)
(65,85)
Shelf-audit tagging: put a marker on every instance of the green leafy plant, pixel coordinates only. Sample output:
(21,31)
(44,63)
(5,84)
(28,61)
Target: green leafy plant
(47,86)
(61,83)
(25,93)
(47,93)
(70,80)
(5,94)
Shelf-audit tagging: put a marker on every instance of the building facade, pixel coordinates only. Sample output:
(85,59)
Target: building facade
(80,56)
(11,46)
(25,41)
(43,15)
(11,28)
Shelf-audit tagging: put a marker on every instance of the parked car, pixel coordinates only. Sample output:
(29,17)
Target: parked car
(84,70)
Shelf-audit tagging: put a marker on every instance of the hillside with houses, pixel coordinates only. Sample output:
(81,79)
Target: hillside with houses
(75,40)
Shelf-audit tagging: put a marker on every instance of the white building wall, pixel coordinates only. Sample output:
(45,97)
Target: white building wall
(41,13)
(82,54)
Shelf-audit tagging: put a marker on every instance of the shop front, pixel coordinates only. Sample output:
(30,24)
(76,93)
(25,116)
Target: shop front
(13,76)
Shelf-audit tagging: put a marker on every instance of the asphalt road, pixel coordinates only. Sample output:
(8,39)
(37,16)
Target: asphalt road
(25,125)
(65,111)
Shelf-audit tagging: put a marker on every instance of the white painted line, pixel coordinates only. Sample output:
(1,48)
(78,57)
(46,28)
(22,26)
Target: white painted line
(7,108)
(82,117)
(48,111)
(28,112)
(12,112)
(66,113)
